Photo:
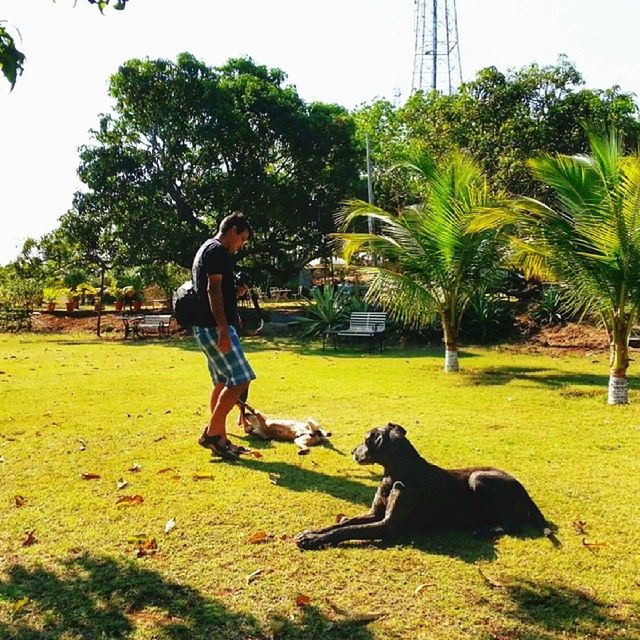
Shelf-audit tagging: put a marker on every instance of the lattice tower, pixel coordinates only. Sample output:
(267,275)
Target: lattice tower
(436,63)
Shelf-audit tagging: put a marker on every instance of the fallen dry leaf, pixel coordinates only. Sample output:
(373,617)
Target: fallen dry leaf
(420,588)
(146,548)
(19,501)
(121,484)
(254,454)
(580,527)
(274,477)
(356,618)
(174,478)
(166,470)
(254,576)
(160,438)
(340,517)
(90,476)
(593,545)
(129,501)
(494,584)
(169,525)
(203,476)
(135,467)
(83,444)
(302,600)
(259,537)
(30,538)
(20,604)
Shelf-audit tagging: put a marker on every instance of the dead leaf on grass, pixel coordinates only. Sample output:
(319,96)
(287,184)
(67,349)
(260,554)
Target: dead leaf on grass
(174,478)
(420,588)
(30,538)
(166,470)
(129,501)
(169,525)
(254,454)
(20,604)
(259,537)
(83,444)
(135,468)
(592,545)
(203,476)
(580,527)
(121,484)
(90,476)
(302,600)
(19,501)
(494,584)
(160,438)
(254,576)
(340,517)
(148,547)
(274,477)
(356,618)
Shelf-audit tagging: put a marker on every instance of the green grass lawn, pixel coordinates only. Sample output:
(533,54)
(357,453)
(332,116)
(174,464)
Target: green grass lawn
(72,404)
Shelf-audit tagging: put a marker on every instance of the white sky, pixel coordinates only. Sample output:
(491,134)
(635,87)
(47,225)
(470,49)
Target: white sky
(342,51)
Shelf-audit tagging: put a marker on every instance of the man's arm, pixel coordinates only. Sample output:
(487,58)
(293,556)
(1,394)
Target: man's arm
(216,302)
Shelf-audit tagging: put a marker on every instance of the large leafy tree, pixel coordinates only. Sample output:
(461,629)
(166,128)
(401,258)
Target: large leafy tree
(502,119)
(588,239)
(187,143)
(431,263)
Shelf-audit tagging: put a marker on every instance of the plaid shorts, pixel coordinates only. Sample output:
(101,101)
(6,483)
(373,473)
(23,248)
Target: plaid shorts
(231,368)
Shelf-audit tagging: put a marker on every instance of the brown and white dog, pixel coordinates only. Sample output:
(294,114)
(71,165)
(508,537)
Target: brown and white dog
(303,434)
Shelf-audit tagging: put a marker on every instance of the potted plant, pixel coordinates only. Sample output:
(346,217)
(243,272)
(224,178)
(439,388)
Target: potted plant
(71,297)
(50,295)
(133,296)
(118,295)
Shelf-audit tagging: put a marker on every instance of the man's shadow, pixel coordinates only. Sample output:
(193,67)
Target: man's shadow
(99,597)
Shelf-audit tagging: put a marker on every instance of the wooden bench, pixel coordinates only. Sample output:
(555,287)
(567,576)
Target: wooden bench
(363,324)
(158,323)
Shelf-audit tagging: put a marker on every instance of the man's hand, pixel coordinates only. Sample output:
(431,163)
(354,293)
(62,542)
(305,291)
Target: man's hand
(224,340)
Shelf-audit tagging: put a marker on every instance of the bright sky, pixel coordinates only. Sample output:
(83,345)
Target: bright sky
(342,51)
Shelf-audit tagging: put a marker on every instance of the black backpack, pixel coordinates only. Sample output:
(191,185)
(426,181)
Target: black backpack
(189,308)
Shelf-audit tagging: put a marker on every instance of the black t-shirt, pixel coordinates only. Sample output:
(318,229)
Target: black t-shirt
(213,258)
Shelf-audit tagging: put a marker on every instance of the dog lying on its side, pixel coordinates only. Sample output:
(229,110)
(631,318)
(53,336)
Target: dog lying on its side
(415,495)
(303,434)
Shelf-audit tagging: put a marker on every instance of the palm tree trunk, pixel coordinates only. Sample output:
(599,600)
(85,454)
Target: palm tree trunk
(451,364)
(619,363)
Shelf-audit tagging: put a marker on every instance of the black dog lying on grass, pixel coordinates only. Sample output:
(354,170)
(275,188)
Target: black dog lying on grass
(417,496)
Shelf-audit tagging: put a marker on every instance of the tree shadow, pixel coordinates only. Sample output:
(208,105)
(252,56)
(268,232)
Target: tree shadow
(497,376)
(99,597)
(551,610)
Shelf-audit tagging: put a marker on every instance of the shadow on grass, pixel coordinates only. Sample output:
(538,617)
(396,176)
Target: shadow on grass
(97,597)
(554,610)
(497,376)
(296,478)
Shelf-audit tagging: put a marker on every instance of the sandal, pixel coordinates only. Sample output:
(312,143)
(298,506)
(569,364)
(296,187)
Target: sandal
(219,448)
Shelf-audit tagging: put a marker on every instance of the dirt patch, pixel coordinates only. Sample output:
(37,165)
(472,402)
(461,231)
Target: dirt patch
(83,322)
(570,338)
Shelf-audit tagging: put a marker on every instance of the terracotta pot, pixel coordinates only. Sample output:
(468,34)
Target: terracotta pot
(71,306)
(119,305)
(98,307)
(51,306)
(137,305)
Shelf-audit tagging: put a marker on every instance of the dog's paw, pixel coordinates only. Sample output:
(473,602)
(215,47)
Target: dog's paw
(308,540)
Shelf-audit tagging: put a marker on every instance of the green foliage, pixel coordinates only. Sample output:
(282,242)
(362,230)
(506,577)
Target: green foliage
(326,310)
(486,317)
(187,143)
(550,308)
(431,262)
(11,60)
(501,119)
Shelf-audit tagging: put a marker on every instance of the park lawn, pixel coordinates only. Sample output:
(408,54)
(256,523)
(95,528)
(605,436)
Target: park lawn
(72,404)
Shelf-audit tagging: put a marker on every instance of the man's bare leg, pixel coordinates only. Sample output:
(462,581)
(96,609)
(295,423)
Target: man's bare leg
(226,398)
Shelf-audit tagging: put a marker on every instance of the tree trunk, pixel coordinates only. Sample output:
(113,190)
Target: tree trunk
(451,364)
(619,363)
(100,301)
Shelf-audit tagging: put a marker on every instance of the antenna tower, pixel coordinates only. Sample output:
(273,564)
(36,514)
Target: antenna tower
(436,63)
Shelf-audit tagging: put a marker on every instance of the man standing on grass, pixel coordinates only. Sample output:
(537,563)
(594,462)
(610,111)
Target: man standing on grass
(216,333)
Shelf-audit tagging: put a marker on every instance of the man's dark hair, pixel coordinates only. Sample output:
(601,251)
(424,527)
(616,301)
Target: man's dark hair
(238,220)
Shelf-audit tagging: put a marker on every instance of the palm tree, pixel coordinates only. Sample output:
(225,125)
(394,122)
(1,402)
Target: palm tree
(589,240)
(430,262)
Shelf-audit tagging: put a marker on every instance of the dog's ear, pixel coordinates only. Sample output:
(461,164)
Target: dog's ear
(397,430)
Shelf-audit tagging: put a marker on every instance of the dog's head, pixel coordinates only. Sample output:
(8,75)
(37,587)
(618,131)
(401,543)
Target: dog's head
(380,445)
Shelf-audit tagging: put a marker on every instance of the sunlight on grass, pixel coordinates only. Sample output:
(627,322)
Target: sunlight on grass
(73,405)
